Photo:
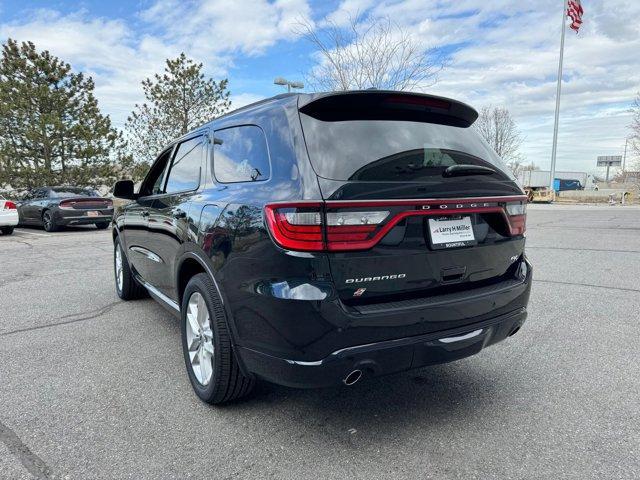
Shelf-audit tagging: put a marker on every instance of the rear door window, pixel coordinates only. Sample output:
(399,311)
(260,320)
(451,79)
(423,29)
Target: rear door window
(185,170)
(241,155)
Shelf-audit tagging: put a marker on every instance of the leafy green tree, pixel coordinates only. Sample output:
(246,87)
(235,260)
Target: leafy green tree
(51,128)
(176,102)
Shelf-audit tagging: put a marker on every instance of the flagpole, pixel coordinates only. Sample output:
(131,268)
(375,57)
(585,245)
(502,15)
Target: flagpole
(552,173)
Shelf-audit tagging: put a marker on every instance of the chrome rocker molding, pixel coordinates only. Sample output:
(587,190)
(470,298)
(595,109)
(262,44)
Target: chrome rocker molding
(158,294)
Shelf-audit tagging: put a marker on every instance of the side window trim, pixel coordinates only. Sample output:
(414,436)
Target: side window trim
(213,155)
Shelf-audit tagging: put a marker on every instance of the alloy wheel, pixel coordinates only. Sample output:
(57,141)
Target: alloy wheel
(118,265)
(199,338)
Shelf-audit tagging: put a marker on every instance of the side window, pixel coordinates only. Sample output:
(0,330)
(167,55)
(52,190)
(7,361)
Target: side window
(240,155)
(154,181)
(159,183)
(184,174)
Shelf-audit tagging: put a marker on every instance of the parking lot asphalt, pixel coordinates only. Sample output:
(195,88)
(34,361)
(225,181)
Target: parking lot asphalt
(92,387)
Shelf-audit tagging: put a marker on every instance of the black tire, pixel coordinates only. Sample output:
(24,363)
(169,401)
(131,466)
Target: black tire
(102,225)
(49,222)
(130,289)
(227,382)
(6,230)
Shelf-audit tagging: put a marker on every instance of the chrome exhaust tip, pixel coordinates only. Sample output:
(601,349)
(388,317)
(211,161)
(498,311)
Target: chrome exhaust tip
(352,378)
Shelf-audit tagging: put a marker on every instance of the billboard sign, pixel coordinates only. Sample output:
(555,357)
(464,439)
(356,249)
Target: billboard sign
(609,160)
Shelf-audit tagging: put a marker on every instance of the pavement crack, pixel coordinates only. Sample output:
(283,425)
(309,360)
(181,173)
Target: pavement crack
(85,316)
(31,462)
(92,313)
(606,287)
(24,242)
(16,279)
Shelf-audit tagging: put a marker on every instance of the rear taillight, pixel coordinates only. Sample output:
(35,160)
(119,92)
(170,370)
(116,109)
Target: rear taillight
(517,216)
(342,226)
(296,226)
(311,227)
(86,204)
(10,206)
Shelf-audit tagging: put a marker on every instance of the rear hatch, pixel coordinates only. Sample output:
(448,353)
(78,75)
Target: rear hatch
(416,203)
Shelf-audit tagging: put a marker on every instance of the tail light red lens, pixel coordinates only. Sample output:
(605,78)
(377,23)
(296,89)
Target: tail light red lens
(86,204)
(517,216)
(296,226)
(343,226)
(8,205)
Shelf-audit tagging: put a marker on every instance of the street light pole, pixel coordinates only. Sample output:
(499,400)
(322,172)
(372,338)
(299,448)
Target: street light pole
(624,160)
(289,84)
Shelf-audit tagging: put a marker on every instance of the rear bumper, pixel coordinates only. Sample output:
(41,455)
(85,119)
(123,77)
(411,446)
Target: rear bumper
(384,357)
(9,219)
(80,218)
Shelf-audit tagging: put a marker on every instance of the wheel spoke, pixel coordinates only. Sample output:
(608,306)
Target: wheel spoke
(193,323)
(208,348)
(205,366)
(203,314)
(194,344)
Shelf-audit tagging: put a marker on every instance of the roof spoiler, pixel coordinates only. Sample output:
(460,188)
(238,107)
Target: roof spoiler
(387,105)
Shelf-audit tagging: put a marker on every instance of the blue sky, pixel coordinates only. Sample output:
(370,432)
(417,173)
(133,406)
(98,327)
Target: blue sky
(500,52)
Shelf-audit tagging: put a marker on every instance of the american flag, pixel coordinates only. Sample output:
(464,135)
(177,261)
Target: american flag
(574,11)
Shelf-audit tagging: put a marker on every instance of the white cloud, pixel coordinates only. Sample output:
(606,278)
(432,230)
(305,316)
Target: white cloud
(213,26)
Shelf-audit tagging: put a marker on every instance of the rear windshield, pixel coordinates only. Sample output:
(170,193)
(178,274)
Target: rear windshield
(69,192)
(393,150)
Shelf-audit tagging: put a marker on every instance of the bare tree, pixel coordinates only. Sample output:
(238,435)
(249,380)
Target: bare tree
(500,131)
(375,53)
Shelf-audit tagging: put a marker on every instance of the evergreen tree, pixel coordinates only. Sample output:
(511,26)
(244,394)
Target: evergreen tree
(177,101)
(51,129)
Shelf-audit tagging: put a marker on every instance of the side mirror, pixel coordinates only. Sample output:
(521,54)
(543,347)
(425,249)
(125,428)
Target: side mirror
(124,189)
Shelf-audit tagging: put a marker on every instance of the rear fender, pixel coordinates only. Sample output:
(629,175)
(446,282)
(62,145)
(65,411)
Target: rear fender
(194,252)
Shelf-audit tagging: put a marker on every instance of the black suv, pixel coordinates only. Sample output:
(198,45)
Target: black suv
(316,239)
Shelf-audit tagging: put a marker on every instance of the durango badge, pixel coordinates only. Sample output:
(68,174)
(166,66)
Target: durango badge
(375,279)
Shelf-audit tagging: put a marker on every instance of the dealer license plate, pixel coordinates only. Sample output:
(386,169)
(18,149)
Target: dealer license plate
(451,232)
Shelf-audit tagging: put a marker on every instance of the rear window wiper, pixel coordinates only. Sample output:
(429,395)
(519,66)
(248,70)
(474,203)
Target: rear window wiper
(462,170)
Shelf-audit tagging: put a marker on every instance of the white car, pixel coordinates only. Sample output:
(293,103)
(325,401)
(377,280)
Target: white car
(8,216)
